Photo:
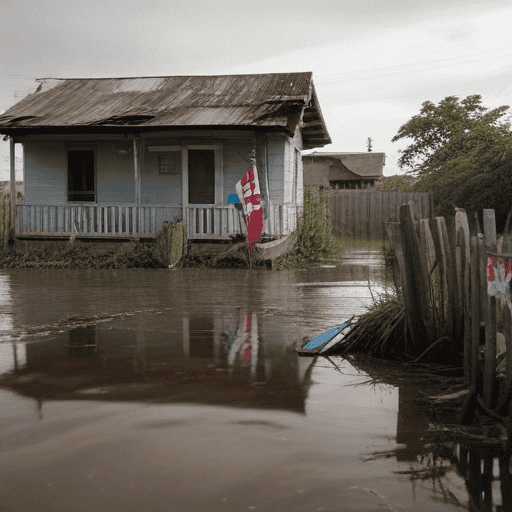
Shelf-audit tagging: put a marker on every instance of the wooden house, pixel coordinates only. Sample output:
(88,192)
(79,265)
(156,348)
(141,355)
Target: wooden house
(116,157)
(343,170)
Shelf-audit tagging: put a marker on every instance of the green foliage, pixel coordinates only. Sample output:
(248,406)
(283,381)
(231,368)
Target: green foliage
(314,233)
(462,152)
(396,183)
(5,219)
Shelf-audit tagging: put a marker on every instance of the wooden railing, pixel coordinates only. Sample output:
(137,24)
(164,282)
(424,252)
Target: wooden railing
(133,221)
(92,220)
(217,222)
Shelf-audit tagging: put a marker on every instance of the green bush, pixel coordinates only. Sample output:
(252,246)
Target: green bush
(314,238)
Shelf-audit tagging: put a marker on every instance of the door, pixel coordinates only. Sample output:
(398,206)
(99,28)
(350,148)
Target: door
(201,176)
(201,184)
(81,175)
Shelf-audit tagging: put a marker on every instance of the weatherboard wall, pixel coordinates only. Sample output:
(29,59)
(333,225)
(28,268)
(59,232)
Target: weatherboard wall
(114,173)
(45,164)
(46,170)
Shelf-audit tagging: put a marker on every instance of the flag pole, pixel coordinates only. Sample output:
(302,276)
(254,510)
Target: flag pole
(252,157)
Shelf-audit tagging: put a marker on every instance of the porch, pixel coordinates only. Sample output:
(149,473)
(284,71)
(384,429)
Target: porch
(204,222)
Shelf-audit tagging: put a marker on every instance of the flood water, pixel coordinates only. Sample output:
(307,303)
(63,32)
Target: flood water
(181,390)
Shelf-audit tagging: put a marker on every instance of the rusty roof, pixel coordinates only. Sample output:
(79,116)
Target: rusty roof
(277,100)
(368,165)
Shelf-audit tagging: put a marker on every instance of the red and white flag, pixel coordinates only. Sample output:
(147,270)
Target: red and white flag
(248,191)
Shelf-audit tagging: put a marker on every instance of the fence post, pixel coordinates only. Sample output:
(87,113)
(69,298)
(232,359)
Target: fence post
(417,278)
(475,314)
(396,240)
(490,317)
(463,259)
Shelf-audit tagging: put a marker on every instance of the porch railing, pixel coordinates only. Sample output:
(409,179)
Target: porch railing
(133,221)
(221,221)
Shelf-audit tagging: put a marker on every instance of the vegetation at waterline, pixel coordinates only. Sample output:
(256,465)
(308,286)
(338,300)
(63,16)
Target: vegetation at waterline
(382,333)
(5,217)
(78,255)
(169,243)
(127,255)
(314,237)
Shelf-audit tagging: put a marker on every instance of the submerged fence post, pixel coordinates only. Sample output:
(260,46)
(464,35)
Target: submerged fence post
(397,242)
(463,271)
(475,313)
(417,279)
(490,318)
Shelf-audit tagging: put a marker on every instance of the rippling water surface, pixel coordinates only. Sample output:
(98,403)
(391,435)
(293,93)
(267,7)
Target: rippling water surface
(158,390)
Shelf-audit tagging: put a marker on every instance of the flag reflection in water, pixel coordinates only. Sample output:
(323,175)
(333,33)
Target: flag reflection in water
(241,347)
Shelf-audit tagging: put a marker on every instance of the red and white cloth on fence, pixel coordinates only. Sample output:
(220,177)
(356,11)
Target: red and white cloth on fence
(248,191)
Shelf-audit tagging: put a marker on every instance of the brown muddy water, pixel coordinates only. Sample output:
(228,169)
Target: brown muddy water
(181,391)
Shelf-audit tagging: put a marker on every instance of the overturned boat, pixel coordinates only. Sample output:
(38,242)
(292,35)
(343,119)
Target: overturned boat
(326,341)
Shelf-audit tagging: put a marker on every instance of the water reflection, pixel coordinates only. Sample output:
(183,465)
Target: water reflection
(223,359)
(224,338)
(471,472)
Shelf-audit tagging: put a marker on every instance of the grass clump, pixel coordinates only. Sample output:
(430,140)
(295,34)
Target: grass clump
(169,243)
(314,237)
(381,331)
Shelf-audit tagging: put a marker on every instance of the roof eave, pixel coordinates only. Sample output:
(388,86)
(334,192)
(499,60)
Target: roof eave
(36,130)
(313,128)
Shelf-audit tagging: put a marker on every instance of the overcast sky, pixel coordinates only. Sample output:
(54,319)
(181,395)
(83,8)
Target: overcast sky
(373,61)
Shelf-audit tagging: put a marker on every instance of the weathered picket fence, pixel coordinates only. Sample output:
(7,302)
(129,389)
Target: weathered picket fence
(453,284)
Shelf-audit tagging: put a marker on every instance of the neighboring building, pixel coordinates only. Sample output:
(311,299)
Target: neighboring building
(116,157)
(343,170)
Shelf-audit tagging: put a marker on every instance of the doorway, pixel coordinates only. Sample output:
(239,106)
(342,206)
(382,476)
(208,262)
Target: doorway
(201,176)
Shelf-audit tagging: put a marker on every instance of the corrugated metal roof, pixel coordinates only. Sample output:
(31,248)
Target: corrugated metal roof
(272,100)
(367,164)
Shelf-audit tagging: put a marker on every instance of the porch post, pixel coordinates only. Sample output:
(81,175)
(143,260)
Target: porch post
(262,165)
(136,180)
(184,186)
(13,186)
(142,166)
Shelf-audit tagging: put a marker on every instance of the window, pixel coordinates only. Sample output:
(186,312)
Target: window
(352,184)
(170,163)
(81,175)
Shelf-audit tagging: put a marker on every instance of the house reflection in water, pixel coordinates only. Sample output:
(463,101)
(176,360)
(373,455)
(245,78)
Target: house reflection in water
(83,341)
(202,358)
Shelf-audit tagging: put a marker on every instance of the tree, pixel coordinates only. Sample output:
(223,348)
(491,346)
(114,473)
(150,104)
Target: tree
(369,144)
(462,152)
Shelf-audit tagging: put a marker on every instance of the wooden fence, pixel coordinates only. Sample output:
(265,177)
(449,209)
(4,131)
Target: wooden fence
(362,213)
(453,284)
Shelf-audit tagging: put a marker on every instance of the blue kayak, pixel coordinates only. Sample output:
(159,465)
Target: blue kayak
(324,341)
